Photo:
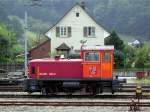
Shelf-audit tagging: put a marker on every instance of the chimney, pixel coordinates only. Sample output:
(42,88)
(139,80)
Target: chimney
(82,4)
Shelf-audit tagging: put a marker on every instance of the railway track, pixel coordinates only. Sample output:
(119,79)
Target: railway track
(73,103)
(127,92)
(124,88)
(104,96)
(12,88)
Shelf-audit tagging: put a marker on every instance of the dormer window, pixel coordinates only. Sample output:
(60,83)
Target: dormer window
(77,14)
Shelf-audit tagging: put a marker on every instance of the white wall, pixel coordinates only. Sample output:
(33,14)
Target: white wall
(77,24)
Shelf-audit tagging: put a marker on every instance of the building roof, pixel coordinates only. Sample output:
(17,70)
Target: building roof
(63,46)
(39,45)
(85,12)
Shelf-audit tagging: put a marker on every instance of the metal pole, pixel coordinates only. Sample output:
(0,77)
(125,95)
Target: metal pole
(26,39)
(25,45)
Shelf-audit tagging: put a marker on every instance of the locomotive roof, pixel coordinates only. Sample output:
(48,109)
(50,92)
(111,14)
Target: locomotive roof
(97,47)
(56,60)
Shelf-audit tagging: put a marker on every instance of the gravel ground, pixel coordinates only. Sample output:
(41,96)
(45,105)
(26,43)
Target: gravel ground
(66,109)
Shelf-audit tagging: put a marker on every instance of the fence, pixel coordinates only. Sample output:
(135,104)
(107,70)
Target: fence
(11,67)
(5,68)
(132,72)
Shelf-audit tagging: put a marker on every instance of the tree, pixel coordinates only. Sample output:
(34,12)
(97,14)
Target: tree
(115,40)
(119,54)
(16,25)
(130,55)
(7,39)
(142,57)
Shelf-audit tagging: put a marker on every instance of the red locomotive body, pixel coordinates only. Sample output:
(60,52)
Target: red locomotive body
(92,73)
(55,68)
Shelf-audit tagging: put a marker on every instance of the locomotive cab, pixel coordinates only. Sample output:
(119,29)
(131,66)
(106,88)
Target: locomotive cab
(97,62)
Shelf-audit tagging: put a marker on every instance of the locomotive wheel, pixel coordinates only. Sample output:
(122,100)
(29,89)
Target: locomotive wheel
(112,91)
(93,91)
(101,89)
(43,91)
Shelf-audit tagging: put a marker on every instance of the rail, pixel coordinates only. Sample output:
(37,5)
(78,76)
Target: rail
(72,103)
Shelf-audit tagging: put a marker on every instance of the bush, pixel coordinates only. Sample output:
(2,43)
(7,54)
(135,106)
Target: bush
(74,56)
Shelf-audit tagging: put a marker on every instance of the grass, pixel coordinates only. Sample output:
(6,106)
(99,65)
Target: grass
(145,80)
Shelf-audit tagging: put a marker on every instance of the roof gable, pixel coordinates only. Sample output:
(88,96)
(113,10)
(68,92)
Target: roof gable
(63,46)
(70,10)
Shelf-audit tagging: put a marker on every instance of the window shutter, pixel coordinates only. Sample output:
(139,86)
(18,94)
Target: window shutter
(93,31)
(69,31)
(85,31)
(57,31)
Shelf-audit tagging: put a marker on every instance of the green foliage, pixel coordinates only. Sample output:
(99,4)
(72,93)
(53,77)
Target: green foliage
(16,25)
(74,56)
(130,55)
(17,48)
(9,48)
(119,59)
(143,57)
(34,40)
(137,57)
(115,40)
(145,80)
(7,39)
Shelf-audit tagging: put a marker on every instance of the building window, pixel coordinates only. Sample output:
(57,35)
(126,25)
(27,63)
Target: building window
(63,31)
(106,57)
(77,14)
(91,57)
(89,31)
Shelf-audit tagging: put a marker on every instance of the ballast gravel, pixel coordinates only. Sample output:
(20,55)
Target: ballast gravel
(67,109)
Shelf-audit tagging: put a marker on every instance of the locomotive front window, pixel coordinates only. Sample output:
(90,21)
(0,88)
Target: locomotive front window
(33,70)
(91,56)
(106,57)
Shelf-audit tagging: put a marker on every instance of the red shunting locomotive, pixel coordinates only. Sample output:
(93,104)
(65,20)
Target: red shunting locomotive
(92,74)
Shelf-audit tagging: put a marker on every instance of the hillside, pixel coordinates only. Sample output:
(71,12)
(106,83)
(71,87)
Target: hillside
(127,17)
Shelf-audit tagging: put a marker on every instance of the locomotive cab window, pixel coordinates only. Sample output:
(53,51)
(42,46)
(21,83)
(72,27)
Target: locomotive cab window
(91,57)
(106,57)
(33,70)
